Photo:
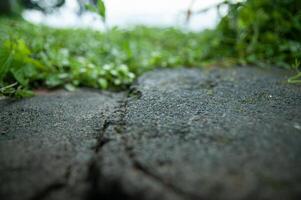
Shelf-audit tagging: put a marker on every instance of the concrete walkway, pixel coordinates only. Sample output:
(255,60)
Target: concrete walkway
(186,134)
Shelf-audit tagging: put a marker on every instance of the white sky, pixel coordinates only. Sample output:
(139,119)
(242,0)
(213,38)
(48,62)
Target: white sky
(131,12)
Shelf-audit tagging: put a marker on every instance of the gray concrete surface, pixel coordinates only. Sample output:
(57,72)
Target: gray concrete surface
(177,134)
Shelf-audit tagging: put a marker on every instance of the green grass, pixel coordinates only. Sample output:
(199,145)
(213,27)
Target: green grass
(38,56)
(257,32)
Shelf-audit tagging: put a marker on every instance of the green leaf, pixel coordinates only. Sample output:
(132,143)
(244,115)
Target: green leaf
(53,80)
(19,75)
(101,9)
(8,89)
(295,79)
(21,48)
(90,8)
(70,87)
(103,83)
(21,93)
(5,62)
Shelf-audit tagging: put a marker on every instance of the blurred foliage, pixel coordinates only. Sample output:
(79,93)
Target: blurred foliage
(258,32)
(15,7)
(98,7)
(261,32)
(48,57)
(10,7)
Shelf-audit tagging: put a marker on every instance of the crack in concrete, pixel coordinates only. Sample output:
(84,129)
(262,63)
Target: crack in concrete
(48,190)
(94,174)
(101,139)
(93,179)
(55,186)
(116,128)
(144,170)
(121,124)
(115,120)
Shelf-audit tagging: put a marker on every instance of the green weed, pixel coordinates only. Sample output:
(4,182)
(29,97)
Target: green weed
(257,32)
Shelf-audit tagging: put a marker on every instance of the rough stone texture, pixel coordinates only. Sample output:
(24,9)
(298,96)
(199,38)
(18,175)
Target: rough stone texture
(179,134)
(219,134)
(47,143)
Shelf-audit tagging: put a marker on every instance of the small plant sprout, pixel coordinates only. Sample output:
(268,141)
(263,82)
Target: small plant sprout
(297,77)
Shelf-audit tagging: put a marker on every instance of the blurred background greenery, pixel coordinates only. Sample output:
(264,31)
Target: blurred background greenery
(264,33)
